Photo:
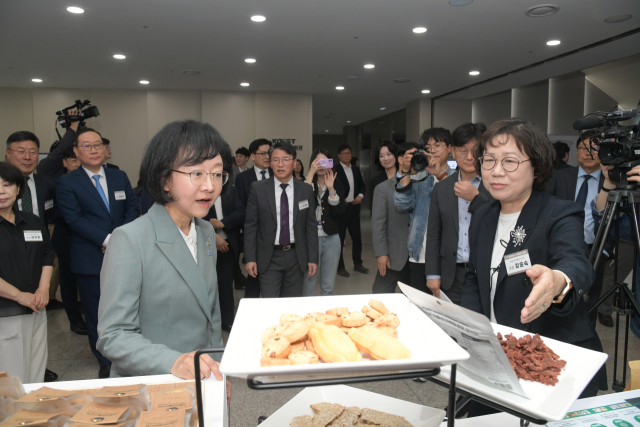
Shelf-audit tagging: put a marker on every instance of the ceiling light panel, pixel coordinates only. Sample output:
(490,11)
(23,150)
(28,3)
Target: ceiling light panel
(144,82)
(36,80)
(244,84)
(258,18)
(250,61)
(474,73)
(74,9)
(426,91)
(369,66)
(339,87)
(553,42)
(119,56)
(420,30)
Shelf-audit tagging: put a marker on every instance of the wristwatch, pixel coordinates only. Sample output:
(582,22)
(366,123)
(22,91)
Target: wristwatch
(560,297)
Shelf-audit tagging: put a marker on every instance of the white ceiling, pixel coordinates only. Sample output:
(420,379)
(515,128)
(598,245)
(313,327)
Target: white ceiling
(305,46)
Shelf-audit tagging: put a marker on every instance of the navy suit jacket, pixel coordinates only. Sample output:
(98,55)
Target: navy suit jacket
(88,217)
(233,212)
(243,183)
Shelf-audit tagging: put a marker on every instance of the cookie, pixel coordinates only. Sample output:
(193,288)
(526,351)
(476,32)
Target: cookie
(271,332)
(276,348)
(353,319)
(371,312)
(289,317)
(329,319)
(377,305)
(311,317)
(274,362)
(391,320)
(303,358)
(379,344)
(339,311)
(299,346)
(332,345)
(295,331)
(391,331)
(309,346)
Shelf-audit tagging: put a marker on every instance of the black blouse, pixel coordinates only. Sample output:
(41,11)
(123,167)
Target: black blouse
(21,261)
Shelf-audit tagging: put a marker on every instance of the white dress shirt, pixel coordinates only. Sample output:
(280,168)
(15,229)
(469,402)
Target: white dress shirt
(259,175)
(218,206)
(191,240)
(349,172)
(34,197)
(290,199)
(103,184)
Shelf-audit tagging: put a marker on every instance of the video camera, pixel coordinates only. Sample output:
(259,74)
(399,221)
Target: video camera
(617,145)
(65,120)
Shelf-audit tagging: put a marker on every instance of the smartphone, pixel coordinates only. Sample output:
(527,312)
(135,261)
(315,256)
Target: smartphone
(326,163)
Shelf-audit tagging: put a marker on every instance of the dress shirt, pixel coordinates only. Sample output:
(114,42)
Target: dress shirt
(191,240)
(464,220)
(290,199)
(349,172)
(103,184)
(259,175)
(218,206)
(593,185)
(34,197)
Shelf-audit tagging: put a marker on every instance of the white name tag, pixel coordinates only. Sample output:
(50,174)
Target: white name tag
(32,236)
(120,195)
(517,262)
(303,205)
(48,205)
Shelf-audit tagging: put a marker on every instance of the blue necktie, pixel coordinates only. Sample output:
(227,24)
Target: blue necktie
(96,178)
(263,175)
(581,199)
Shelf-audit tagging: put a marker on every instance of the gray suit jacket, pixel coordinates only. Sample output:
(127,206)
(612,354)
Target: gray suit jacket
(260,225)
(156,303)
(443,228)
(389,228)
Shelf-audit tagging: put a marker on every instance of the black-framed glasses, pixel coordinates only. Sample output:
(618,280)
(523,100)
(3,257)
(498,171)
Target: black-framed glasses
(435,148)
(199,177)
(89,147)
(262,153)
(509,164)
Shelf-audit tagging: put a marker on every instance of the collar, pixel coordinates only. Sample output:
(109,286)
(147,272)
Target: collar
(31,177)
(19,218)
(259,170)
(477,178)
(595,174)
(277,182)
(91,174)
(345,166)
(192,232)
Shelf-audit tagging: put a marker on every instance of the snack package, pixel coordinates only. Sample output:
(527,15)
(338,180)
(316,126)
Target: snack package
(128,395)
(24,418)
(172,401)
(100,413)
(11,386)
(179,418)
(47,399)
(129,423)
(8,407)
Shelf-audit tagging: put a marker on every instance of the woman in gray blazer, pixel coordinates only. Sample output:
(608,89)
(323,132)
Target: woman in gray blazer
(159,290)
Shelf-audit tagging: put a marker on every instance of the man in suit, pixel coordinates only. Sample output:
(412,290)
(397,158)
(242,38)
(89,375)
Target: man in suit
(562,154)
(94,201)
(242,157)
(281,221)
(390,231)
(452,205)
(354,188)
(259,152)
(107,152)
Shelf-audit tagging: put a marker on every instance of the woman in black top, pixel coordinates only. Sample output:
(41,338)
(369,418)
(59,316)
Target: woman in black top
(329,204)
(26,264)
(298,171)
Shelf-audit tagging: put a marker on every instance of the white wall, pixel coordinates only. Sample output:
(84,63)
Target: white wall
(531,102)
(490,109)
(418,118)
(451,113)
(566,102)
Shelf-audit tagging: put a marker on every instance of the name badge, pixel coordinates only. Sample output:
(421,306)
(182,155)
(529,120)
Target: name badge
(517,262)
(303,204)
(48,204)
(120,195)
(32,236)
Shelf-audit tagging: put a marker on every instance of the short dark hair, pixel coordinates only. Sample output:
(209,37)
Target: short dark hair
(393,149)
(531,140)
(68,153)
(253,147)
(186,142)
(437,134)
(12,175)
(406,146)
(586,136)
(22,135)
(244,151)
(562,149)
(83,131)
(284,146)
(105,141)
(464,133)
(343,147)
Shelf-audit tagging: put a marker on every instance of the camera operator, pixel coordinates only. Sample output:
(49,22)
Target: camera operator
(51,167)
(438,142)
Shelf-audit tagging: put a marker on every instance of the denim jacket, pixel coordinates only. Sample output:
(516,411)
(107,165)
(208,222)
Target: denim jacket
(415,198)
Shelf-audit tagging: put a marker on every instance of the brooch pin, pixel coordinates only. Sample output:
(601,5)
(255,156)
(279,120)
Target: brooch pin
(518,236)
(209,250)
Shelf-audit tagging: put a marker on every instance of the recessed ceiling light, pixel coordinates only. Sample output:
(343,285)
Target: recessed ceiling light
(119,56)
(74,9)
(618,18)
(36,80)
(383,108)
(541,10)
(460,2)
(426,91)
(327,130)
(144,82)
(348,121)
(339,87)
(250,60)
(474,73)
(258,18)
(244,84)
(419,30)
(369,66)
(553,42)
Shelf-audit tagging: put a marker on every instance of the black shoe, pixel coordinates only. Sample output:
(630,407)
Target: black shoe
(239,282)
(342,272)
(50,376)
(105,371)
(79,328)
(360,269)
(225,327)
(606,320)
(54,304)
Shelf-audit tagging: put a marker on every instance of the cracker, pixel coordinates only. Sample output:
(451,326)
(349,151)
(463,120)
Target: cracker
(326,413)
(348,418)
(303,421)
(383,419)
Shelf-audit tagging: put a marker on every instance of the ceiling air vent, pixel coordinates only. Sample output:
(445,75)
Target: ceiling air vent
(542,10)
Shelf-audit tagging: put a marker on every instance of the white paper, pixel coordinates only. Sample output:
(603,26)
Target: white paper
(473,332)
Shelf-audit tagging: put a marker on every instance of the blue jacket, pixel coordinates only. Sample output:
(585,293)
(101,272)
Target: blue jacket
(415,198)
(88,217)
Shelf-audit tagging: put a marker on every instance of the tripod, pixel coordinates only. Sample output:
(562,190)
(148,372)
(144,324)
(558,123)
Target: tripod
(624,302)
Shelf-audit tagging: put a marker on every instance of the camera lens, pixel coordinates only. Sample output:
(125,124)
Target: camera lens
(419,161)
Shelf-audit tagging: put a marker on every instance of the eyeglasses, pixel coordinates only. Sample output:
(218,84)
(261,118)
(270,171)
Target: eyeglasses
(509,164)
(279,160)
(199,177)
(23,153)
(89,147)
(463,151)
(435,148)
(263,154)
(583,148)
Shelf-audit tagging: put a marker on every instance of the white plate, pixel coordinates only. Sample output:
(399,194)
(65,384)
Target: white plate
(430,347)
(550,403)
(418,415)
